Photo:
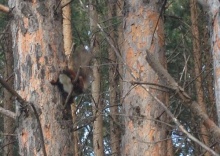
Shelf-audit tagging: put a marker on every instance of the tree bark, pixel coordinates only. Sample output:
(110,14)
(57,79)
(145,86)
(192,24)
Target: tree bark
(39,56)
(68,45)
(8,98)
(67,30)
(75,133)
(4,9)
(212,7)
(96,84)
(198,67)
(143,30)
(113,87)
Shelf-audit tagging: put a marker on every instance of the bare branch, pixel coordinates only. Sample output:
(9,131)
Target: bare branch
(25,103)
(12,91)
(149,83)
(181,127)
(4,8)
(66,4)
(111,44)
(8,113)
(187,100)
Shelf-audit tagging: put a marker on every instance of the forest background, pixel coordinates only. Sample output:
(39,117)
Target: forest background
(154,89)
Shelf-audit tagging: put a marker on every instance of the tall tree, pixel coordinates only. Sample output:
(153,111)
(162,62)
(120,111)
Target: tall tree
(38,56)
(69,48)
(113,86)
(96,84)
(212,7)
(198,66)
(67,29)
(144,135)
(9,127)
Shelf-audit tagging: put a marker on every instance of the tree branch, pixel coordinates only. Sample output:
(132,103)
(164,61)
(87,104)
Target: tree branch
(8,113)
(181,127)
(13,92)
(25,103)
(4,9)
(187,100)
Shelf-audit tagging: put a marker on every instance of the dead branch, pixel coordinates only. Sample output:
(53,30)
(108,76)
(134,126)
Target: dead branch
(181,127)
(8,113)
(187,100)
(4,9)
(13,92)
(24,104)
(149,83)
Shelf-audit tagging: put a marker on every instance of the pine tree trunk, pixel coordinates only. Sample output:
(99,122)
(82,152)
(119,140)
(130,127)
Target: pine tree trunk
(143,134)
(96,84)
(198,67)
(67,30)
(39,56)
(113,87)
(8,99)
(210,7)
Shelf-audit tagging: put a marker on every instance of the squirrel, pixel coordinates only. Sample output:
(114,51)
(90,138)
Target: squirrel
(77,77)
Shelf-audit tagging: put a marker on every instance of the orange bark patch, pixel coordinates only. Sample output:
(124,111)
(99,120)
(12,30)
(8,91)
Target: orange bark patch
(146,30)
(41,60)
(25,20)
(129,57)
(34,1)
(142,132)
(26,40)
(127,148)
(39,38)
(140,91)
(151,135)
(161,36)
(156,150)
(147,107)
(24,137)
(140,11)
(217,44)
(47,131)
(153,16)
(136,33)
(47,135)
(215,25)
(35,83)
(130,125)
(217,71)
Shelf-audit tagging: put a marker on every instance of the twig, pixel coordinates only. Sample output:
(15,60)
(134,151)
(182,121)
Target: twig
(213,145)
(13,92)
(57,5)
(40,129)
(149,83)
(4,9)
(187,100)
(25,103)
(3,146)
(6,134)
(8,113)
(67,4)
(111,44)
(9,77)
(181,126)
(162,9)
